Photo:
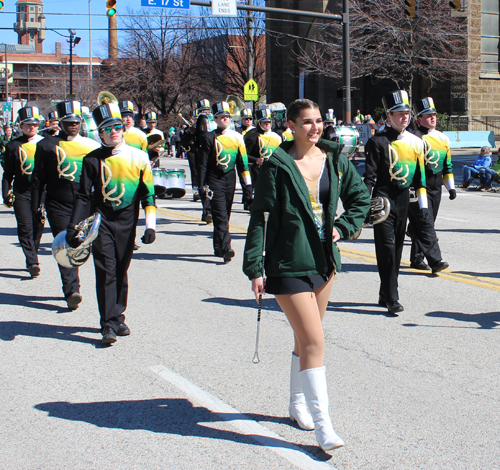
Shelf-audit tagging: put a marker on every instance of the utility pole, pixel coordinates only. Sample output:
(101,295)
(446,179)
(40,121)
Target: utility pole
(249,42)
(6,76)
(250,46)
(90,43)
(346,61)
(73,41)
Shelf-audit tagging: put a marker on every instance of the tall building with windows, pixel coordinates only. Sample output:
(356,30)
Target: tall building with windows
(30,23)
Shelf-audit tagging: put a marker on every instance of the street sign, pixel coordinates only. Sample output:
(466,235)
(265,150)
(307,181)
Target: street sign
(251,90)
(7,107)
(175,4)
(224,8)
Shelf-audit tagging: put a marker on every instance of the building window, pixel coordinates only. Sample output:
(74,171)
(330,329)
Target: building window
(490,37)
(32,8)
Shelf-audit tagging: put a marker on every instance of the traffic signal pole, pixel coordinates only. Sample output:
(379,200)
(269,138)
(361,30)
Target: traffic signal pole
(344,19)
(346,61)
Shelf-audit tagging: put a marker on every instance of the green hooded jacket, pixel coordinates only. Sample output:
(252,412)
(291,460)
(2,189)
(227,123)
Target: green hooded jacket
(293,245)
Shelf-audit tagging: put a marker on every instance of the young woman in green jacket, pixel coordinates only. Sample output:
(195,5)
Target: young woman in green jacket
(299,186)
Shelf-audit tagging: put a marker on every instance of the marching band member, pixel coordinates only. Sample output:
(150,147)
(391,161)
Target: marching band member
(438,171)
(330,119)
(116,176)
(152,122)
(246,123)
(394,162)
(261,143)
(204,124)
(132,136)
(58,164)
(18,167)
(53,124)
(222,150)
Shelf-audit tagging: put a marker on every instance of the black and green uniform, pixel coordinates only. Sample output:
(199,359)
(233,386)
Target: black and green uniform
(260,144)
(18,168)
(438,171)
(394,162)
(221,152)
(116,179)
(58,165)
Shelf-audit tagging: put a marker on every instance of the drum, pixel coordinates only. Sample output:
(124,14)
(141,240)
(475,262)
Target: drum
(160,181)
(348,137)
(176,183)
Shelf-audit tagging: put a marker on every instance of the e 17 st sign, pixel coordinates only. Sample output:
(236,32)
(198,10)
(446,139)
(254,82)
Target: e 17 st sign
(176,4)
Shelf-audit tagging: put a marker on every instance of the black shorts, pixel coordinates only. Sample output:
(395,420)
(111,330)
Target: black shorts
(296,285)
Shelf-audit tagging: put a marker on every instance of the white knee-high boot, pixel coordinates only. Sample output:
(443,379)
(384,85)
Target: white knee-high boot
(316,393)
(298,409)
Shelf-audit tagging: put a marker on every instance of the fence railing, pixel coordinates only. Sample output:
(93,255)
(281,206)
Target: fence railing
(480,123)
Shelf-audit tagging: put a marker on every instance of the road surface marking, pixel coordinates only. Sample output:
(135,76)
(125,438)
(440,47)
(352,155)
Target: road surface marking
(242,423)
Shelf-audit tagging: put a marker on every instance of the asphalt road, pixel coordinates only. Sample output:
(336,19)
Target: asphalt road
(419,391)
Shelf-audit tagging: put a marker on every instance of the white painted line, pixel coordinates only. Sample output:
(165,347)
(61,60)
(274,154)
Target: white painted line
(249,427)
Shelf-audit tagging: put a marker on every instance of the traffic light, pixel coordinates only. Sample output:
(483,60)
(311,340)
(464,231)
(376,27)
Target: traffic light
(1,4)
(456,4)
(410,10)
(110,8)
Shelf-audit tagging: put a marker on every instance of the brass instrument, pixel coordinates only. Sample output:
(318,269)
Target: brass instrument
(380,208)
(69,257)
(184,119)
(9,200)
(105,97)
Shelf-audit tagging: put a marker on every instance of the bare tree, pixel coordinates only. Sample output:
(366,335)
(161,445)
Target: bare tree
(154,69)
(226,44)
(385,43)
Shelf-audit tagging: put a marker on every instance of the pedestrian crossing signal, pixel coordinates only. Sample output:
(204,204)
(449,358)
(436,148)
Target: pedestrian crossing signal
(110,8)
(410,10)
(456,4)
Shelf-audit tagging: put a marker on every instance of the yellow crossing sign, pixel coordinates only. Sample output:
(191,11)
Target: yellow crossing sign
(251,91)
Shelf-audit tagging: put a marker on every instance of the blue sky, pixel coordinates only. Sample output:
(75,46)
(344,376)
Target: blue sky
(64,14)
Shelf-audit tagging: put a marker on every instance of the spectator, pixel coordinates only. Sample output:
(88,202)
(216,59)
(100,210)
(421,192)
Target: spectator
(477,169)
(359,115)
(489,175)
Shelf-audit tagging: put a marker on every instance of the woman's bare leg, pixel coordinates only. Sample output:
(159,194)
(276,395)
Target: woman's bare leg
(322,296)
(302,312)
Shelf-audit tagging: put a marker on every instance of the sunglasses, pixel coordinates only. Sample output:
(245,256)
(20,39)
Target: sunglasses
(118,127)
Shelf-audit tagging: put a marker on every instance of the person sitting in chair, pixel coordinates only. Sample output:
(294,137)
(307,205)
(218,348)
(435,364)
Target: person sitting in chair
(490,174)
(477,169)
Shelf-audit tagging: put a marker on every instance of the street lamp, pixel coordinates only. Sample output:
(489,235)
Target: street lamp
(73,41)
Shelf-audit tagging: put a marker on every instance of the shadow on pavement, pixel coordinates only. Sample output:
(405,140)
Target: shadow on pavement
(359,308)
(369,268)
(169,416)
(10,329)
(267,303)
(195,258)
(485,321)
(32,301)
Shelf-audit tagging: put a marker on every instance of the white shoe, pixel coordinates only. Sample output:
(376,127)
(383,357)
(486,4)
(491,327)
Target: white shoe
(298,408)
(316,393)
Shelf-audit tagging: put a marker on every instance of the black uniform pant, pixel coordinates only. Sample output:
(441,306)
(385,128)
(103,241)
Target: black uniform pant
(193,169)
(223,186)
(59,215)
(112,251)
(424,241)
(29,230)
(389,239)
